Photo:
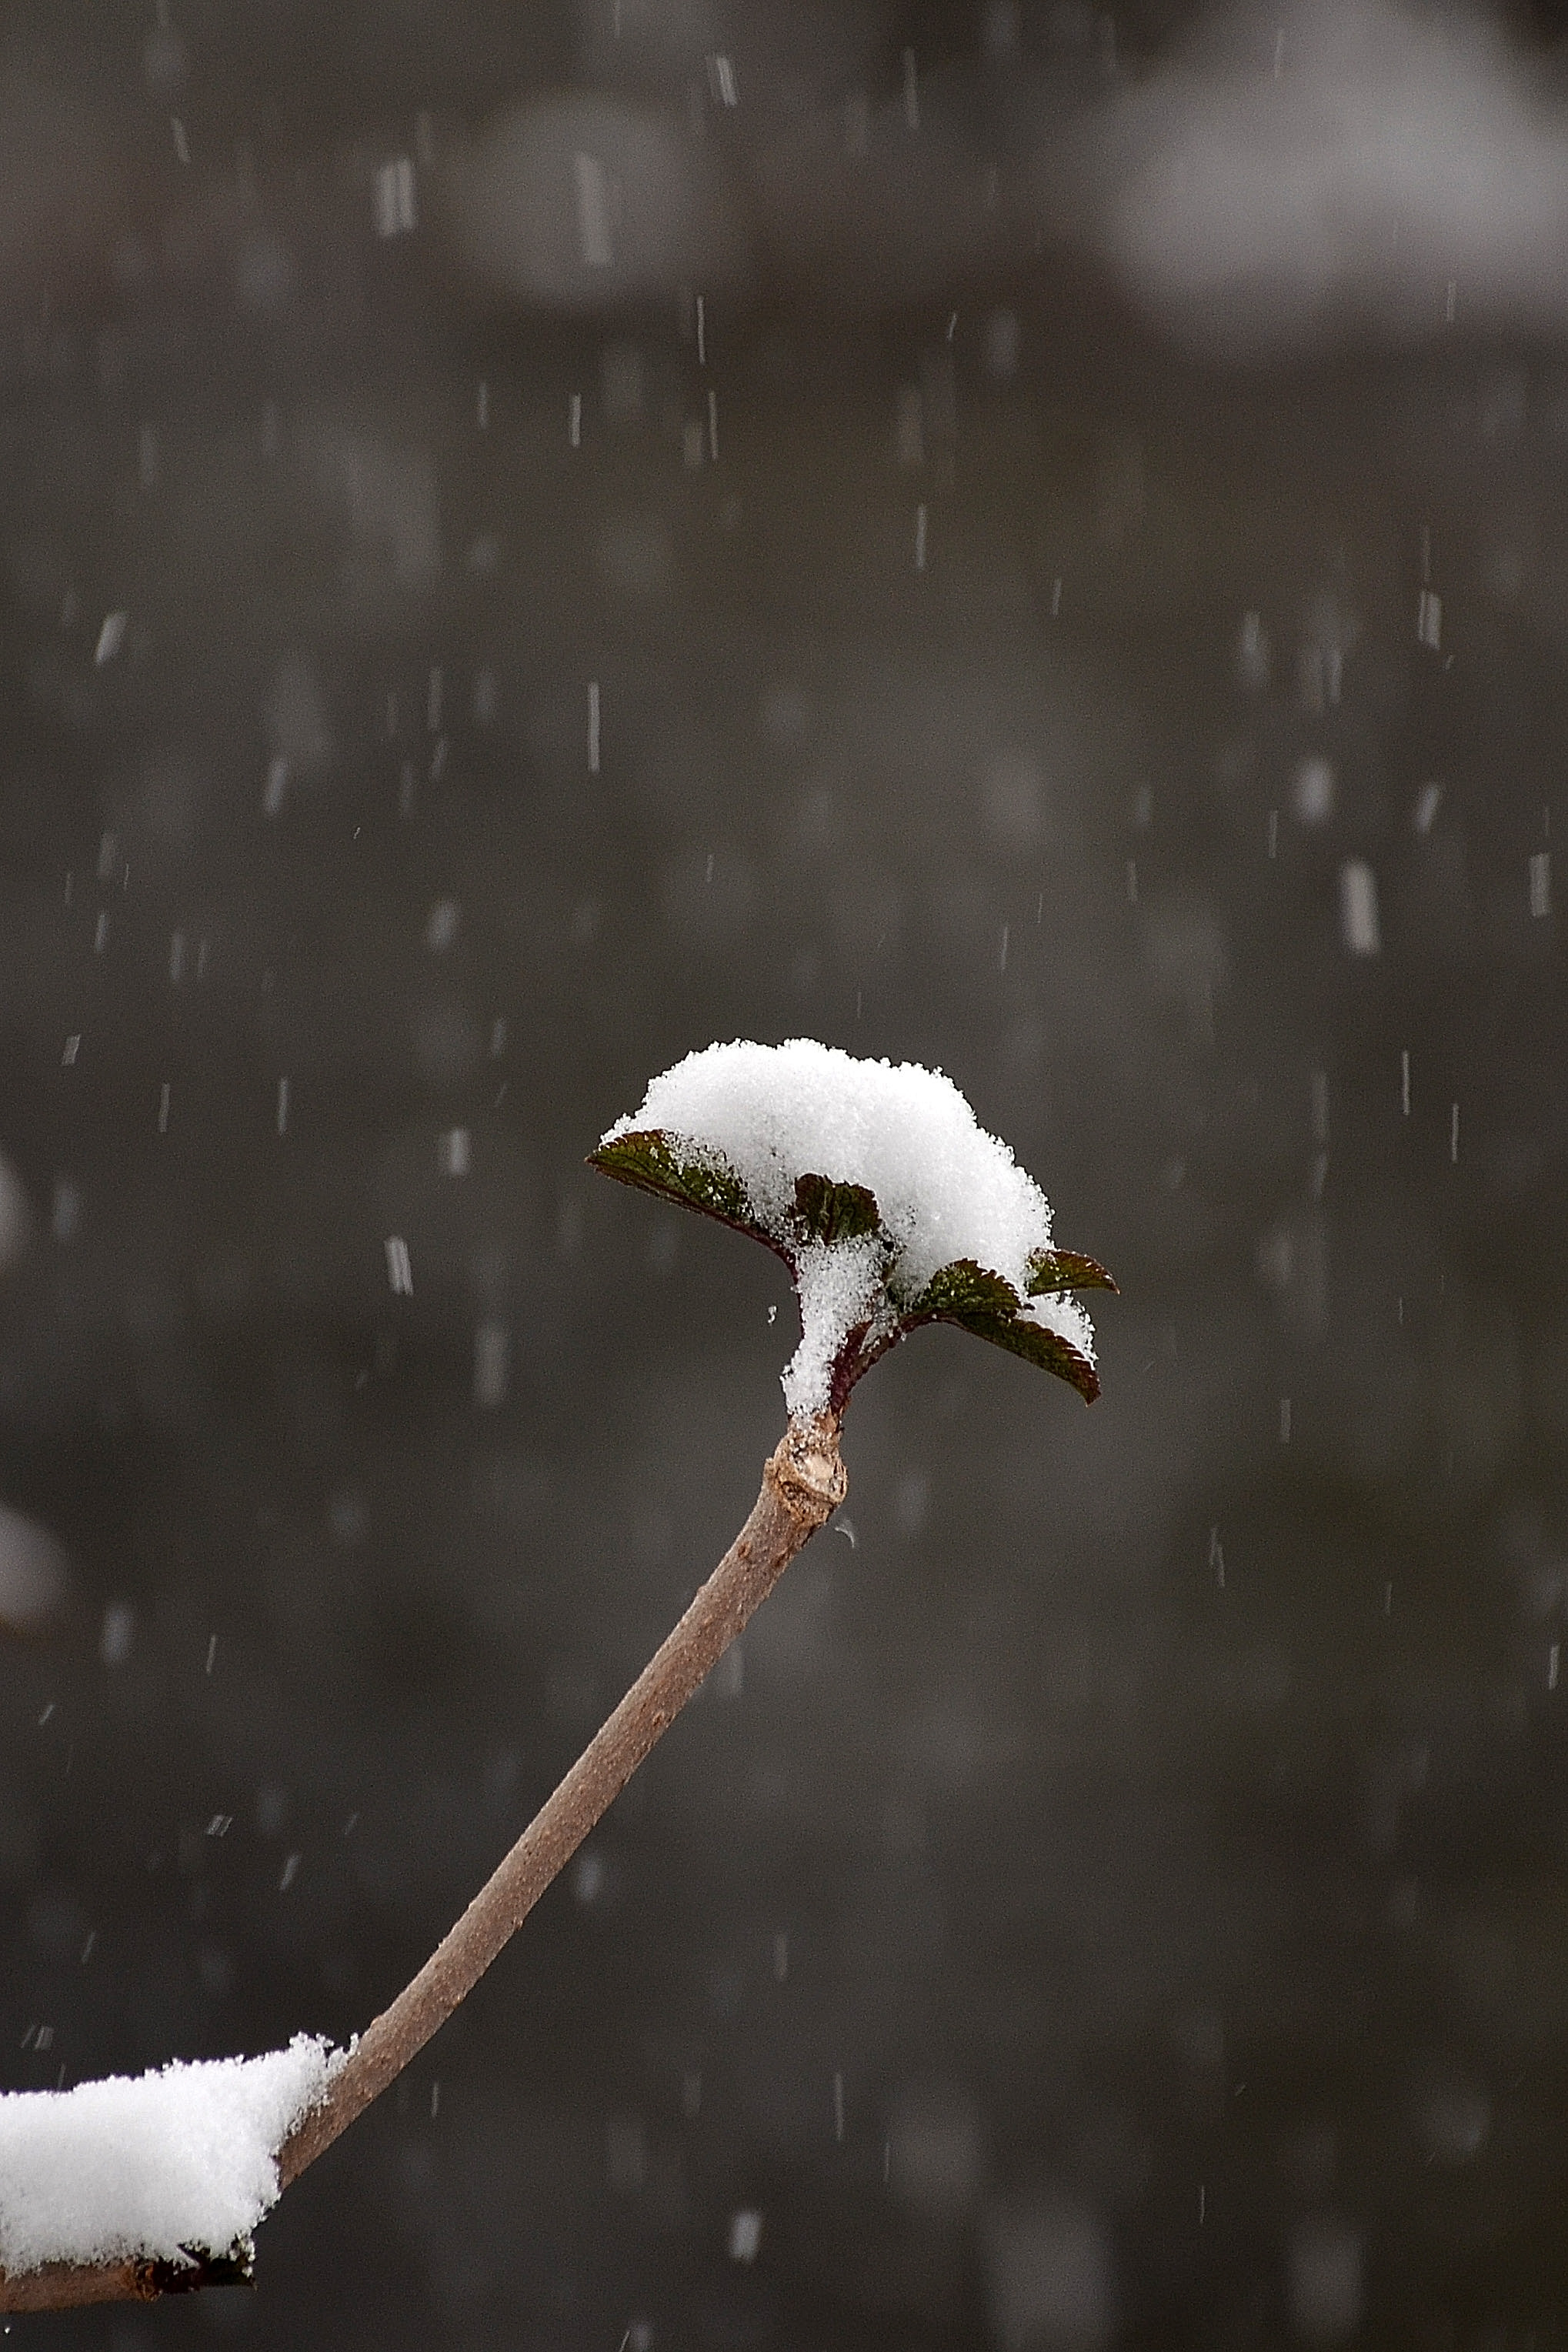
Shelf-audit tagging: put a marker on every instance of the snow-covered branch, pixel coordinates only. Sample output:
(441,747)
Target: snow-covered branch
(893,1208)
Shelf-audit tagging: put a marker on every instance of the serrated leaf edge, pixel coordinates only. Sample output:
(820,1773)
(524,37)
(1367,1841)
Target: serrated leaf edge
(681,1189)
(1014,1327)
(1053,1271)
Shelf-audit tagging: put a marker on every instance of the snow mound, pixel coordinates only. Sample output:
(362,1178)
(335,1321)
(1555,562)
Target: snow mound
(945,1191)
(153,2166)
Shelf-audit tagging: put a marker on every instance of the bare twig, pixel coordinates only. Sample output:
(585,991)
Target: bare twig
(804,1482)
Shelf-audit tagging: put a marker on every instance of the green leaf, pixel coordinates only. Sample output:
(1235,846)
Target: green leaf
(827,1211)
(988,1305)
(1065,1270)
(651,1161)
(655,1161)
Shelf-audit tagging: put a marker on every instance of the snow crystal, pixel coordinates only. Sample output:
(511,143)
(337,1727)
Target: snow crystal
(153,2166)
(945,1188)
(839,1285)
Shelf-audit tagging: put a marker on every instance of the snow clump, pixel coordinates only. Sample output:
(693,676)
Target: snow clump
(158,2166)
(945,1190)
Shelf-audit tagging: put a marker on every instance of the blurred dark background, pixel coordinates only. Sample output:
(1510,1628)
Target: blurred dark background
(1024,537)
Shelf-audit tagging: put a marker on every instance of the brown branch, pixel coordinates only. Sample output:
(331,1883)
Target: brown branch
(804,1482)
(60,2286)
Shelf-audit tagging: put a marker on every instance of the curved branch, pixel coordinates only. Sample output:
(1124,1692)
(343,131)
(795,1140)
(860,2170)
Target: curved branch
(803,1482)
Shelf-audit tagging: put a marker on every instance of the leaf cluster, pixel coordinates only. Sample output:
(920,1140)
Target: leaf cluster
(824,1212)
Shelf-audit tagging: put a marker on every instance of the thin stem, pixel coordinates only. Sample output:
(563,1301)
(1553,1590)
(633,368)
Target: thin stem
(804,1482)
